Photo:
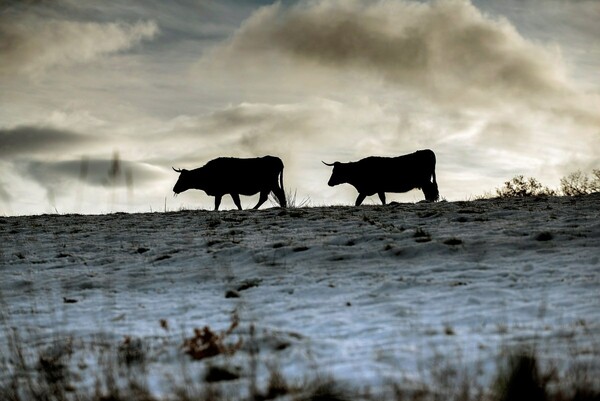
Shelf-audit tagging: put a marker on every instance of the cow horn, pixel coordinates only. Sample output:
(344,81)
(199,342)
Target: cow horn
(177,170)
(327,164)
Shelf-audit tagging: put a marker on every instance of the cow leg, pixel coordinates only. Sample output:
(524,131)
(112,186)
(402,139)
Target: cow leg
(217,201)
(264,195)
(360,199)
(382,197)
(236,200)
(280,194)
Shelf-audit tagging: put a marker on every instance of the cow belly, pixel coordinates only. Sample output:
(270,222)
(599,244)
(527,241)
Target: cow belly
(400,187)
(248,191)
(375,188)
(246,188)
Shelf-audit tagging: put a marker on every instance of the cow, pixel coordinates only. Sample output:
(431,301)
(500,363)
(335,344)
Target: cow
(233,176)
(378,175)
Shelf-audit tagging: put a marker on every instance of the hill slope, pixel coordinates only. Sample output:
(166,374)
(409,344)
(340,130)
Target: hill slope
(366,294)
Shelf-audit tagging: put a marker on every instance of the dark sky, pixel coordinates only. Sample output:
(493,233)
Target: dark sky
(495,88)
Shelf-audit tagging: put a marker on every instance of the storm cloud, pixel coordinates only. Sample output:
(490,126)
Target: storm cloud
(31,44)
(35,140)
(447,49)
(288,130)
(96,172)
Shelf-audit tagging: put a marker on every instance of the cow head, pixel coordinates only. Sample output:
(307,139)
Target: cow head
(338,175)
(184,182)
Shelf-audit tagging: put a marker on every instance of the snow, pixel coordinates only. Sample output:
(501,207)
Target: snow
(367,294)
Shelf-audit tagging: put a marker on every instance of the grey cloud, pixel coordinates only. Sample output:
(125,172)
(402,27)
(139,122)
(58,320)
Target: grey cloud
(570,24)
(30,43)
(178,19)
(287,120)
(5,196)
(33,140)
(505,133)
(246,130)
(447,49)
(252,129)
(92,171)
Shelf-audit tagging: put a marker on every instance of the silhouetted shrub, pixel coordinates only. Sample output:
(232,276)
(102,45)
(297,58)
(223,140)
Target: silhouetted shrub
(578,183)
(521,187)
(574,184)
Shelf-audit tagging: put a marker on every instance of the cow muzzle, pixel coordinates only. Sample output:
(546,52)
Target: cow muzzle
(332,183)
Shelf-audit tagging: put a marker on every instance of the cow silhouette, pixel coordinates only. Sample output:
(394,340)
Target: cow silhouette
(233,176)
(378,175)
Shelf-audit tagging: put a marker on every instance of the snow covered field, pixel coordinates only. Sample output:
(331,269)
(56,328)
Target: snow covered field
(368,295)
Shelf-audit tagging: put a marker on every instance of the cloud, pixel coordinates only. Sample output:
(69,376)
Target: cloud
(5,196)
(465,74)
(93,171)
(255,129)
(571,25)
(447,49)
(32,140)
(73,184)
(31,44)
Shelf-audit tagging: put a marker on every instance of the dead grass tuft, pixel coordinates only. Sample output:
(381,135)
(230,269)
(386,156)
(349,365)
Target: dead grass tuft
(131,351)
(206,343)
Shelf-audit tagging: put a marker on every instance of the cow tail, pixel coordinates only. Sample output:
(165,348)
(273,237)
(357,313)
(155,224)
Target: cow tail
(435,193)
(283,201)
(433,172)
(436,190)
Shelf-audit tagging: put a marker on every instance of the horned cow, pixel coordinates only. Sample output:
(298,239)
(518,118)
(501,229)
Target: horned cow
(233,176)
(378,175)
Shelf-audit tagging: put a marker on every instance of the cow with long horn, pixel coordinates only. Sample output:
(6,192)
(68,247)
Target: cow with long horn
(228,175)
(378,175)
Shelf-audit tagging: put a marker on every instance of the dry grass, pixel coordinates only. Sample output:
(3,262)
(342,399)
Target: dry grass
(47,374)
(205,343)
